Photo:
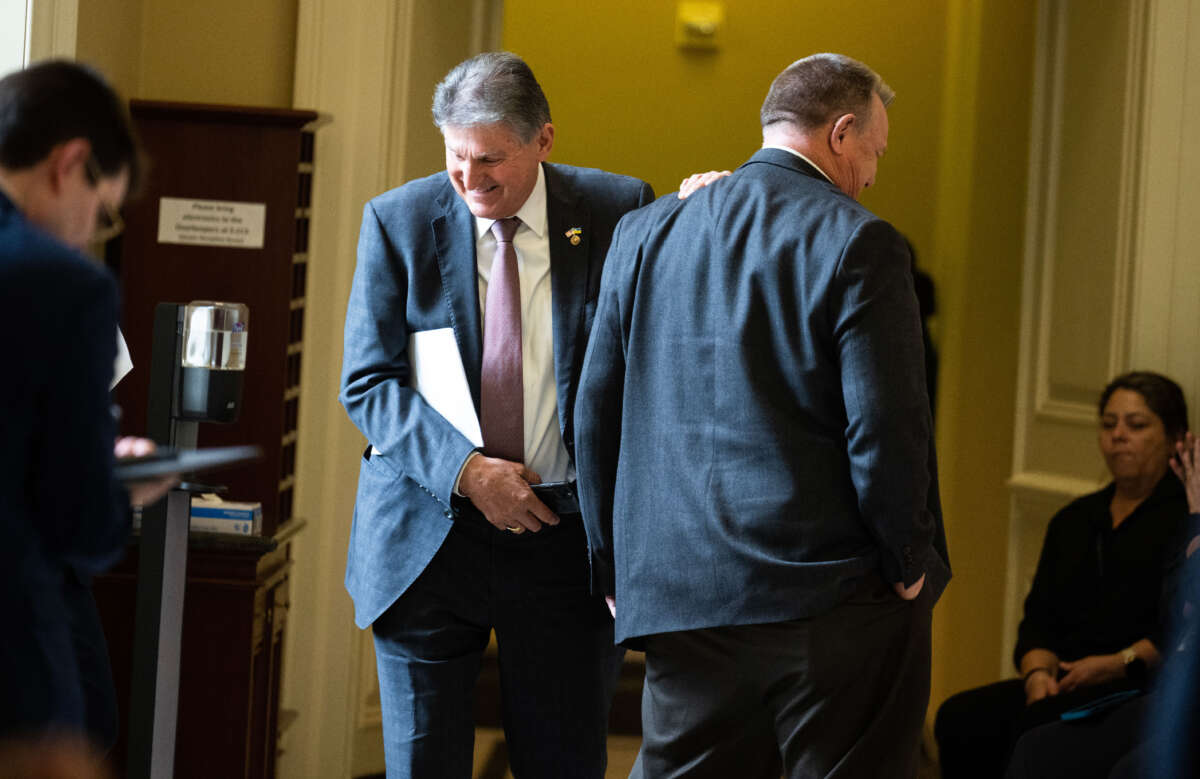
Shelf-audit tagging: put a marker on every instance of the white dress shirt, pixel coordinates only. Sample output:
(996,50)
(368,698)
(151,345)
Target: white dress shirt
(790,150)
(544,450)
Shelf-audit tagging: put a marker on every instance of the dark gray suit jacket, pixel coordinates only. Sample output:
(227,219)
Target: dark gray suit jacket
(417,271)
(753,426)
(60,508)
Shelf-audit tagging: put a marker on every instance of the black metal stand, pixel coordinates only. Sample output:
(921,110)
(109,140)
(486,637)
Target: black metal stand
(162,573)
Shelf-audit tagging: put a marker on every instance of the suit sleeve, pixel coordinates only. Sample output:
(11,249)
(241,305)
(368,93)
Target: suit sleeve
(598,407)
(82,512)
(878,339)
(645,195)
(414,439)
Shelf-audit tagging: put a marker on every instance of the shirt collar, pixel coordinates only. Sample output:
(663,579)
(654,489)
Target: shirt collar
(790,150)
(532,214)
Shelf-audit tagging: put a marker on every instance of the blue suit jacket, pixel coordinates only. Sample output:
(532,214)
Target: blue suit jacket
(753,428)
(61,513)
(417,271)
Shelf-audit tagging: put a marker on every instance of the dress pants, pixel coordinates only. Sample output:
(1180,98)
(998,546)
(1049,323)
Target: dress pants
(558,664)
(839,695)
(95,669)
(55,676)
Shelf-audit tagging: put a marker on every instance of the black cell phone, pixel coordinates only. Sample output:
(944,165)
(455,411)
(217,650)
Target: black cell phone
(559,496)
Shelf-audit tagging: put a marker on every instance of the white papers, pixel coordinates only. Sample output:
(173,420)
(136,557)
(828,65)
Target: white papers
(124,363)
(438,375)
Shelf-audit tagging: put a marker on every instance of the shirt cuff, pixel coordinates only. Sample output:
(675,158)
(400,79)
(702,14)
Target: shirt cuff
(458,478)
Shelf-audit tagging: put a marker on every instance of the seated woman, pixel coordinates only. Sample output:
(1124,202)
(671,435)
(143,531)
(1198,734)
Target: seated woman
(1092,620)
(1152,735)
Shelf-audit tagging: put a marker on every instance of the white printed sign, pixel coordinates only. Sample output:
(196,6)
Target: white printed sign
(211,222)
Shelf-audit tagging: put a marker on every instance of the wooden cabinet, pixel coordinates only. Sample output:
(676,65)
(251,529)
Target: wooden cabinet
(226,154)
(235,612)
(236,594)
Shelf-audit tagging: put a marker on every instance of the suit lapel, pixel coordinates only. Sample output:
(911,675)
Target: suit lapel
(454,237)
(567,219)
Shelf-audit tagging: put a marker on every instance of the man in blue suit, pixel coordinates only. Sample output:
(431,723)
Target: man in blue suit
(755,464)
(449,542)
(67,158)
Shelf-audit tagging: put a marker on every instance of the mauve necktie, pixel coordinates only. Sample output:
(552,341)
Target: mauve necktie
(502,393)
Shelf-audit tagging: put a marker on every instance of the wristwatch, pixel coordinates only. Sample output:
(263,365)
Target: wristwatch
(1135,667)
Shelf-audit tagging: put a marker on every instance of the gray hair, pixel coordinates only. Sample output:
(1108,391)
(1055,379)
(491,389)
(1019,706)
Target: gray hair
(819,88)
(492,87)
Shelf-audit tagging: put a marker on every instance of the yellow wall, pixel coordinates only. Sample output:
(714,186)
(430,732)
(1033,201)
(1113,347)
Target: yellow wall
(222,51)
(626,99)
(979,240)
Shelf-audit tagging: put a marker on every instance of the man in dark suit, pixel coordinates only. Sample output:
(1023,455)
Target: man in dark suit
(67,158)
(448,541)
(755,464)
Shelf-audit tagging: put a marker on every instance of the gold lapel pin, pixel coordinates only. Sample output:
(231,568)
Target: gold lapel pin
(573,235)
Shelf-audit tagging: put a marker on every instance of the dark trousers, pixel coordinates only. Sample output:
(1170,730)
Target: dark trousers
(1090,748)
(977,729)
(839,695)
(558,664)
(55,675)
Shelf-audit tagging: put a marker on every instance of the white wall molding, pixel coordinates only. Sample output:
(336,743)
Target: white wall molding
(345,68)
(52,30)
(371,67)
(1114,99)
(1166,306)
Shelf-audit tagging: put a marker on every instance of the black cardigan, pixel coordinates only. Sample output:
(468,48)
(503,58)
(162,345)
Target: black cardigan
(1097,590)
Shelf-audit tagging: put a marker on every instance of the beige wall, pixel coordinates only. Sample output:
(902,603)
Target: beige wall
(222,51)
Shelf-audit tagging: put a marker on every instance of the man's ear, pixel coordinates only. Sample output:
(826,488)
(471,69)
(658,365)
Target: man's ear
(545,141)
(842,126)
(68,159)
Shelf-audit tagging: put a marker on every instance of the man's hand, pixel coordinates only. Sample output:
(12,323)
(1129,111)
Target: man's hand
(500,489)
(698,181)
(144,493)
(910,592)
(611,602)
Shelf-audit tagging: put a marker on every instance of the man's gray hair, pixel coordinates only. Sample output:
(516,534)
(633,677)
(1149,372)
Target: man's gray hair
(815,90)
(492,87)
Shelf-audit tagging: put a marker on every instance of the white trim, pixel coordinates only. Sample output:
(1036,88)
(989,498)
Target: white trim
(1027,371)
(395,101)
(1129,197)
(1042,485)
(51,31)
(1047,134)
(359,64)
(1044,481)
(1166,311)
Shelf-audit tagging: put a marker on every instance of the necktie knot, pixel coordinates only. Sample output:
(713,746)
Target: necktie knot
(505,229)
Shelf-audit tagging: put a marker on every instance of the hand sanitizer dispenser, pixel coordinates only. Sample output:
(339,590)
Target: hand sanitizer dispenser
(213,360)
